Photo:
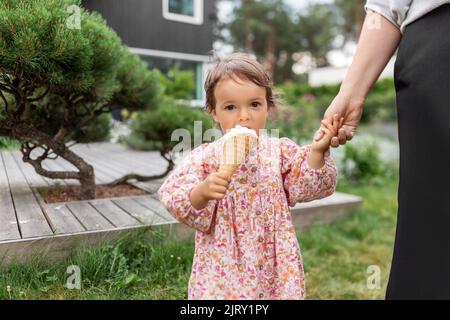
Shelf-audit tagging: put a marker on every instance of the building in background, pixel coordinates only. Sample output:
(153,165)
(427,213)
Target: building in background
(335,75)
(165,33)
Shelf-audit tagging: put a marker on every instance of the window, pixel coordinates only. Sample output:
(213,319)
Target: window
(187,11)
(165,64)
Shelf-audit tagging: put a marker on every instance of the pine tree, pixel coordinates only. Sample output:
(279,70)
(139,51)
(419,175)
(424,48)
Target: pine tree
(61,67)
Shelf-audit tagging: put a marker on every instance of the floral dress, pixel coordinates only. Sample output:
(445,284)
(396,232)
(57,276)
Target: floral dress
(246,245)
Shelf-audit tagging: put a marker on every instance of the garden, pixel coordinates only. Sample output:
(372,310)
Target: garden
(59,90)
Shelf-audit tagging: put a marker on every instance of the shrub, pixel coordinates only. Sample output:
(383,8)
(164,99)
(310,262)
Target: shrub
(153,129)
(56,80)
(98,130)
(178,84)
(9,144)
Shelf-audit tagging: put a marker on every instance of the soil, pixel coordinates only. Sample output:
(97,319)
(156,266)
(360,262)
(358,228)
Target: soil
(72,193)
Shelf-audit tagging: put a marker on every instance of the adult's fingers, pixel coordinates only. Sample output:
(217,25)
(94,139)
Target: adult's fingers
(334,142)
(342,136)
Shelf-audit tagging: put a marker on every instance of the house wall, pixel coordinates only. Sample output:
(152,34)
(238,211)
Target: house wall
(140,24)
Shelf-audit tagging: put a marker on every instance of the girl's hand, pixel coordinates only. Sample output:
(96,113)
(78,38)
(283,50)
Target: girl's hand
(214,187)
(328,130)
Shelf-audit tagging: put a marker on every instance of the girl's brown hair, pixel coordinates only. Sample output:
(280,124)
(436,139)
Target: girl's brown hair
(241,65)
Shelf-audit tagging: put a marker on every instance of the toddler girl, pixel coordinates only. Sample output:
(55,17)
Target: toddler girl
(246,245)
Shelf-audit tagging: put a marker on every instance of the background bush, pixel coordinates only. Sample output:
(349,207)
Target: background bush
(152,130)
(8,144)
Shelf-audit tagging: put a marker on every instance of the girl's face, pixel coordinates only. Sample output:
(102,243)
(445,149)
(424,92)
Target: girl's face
(240,102)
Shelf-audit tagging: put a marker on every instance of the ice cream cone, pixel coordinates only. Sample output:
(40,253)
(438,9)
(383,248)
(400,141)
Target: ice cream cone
(236,148)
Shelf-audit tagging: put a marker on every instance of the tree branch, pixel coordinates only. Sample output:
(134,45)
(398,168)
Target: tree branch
(141,178)
(26,150)
(41,96)
(4,100)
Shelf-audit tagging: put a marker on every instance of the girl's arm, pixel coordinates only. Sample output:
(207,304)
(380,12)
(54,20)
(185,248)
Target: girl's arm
(301,182)
(175,192)
(320,147)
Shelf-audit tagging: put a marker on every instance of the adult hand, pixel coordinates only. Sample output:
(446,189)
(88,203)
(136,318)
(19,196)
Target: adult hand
(351,110)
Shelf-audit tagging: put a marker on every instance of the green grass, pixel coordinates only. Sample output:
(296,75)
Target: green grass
(139,266)
(145,266)
(337,256)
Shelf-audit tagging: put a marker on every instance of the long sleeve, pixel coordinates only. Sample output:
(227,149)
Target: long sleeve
(174,192)
(393,10)
(301,182)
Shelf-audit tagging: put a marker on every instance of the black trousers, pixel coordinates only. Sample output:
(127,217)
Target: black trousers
(421,259)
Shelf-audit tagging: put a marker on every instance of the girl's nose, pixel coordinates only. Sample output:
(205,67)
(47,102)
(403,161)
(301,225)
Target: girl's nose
(244,115)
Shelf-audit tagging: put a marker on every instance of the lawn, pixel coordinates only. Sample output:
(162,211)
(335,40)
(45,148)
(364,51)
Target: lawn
(145,266)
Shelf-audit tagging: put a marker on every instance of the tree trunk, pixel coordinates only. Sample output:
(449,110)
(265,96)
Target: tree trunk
(269,53)
(32,138)
(87,181)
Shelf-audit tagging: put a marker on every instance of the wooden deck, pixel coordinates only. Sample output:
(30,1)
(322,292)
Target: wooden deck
(30,227)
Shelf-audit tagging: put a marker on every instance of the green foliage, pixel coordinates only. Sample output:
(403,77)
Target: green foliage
(141,265)
(97,130)
(140,88)
(178,84)
(8,144)
(362,162)
(316,30)
(260,26)
(379,105)
(335,256)
(298,122)
(271,27)
(87,71)
(153,129)
(351,15)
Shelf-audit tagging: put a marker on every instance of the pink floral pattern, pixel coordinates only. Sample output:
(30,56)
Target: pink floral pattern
(246,245)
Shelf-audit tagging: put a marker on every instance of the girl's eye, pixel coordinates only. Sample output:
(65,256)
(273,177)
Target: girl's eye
(230,107)
(256,104)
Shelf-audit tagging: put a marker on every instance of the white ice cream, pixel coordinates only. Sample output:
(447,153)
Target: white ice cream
(239,130)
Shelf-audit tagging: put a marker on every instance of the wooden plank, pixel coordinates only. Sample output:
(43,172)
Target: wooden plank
(31,218)
(134,159)
(90,218)
(141,213)
(62,219)
(102,175)
(149,186)
(59,246)
(8,221)
(34,179)
(149,161)
(120,160)
(47,165)
(109,161)
(67,166)
(155,205)
(50,165)
(114,213)
(107,173)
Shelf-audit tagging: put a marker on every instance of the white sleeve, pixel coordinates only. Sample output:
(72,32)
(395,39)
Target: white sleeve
(393,10)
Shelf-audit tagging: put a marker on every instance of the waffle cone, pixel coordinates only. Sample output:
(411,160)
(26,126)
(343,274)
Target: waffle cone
(235,150)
